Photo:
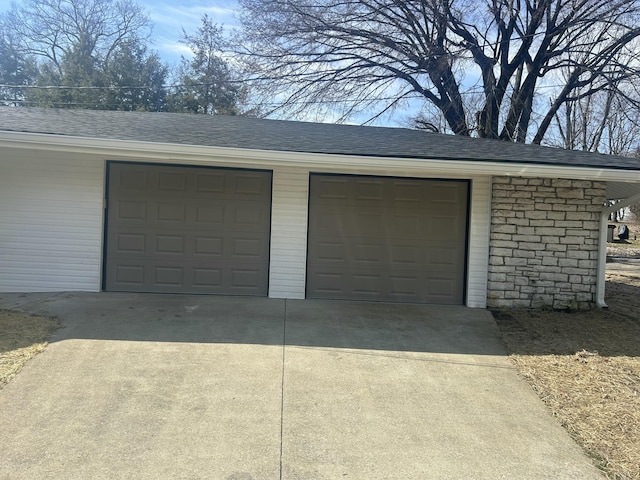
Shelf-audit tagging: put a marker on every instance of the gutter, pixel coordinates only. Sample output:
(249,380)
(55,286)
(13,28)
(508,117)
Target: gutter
(130,150)
(602,246)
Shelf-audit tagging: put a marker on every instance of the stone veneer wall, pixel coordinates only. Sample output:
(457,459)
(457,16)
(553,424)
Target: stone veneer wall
(544,242)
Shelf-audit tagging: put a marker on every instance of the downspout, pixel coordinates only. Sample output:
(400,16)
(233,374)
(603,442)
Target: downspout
(602,259)
(602,246)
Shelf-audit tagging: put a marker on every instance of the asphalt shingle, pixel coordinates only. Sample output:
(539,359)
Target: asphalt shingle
(279,135)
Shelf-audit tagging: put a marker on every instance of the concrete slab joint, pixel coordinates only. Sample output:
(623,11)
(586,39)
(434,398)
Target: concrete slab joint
(544,248)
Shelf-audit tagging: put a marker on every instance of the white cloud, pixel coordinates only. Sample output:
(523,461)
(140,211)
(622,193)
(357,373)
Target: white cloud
(187,15)
(170,18)
(175,48)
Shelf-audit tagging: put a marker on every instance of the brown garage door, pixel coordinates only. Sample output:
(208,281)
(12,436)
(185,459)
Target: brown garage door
(187,230)
(387,239)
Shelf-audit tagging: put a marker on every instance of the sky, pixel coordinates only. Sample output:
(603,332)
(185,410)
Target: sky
(169,18)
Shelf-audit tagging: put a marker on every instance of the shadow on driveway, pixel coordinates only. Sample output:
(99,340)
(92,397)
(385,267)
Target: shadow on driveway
(196,387)
(250,320)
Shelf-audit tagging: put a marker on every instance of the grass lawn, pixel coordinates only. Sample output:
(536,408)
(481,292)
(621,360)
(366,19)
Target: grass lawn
(627,247)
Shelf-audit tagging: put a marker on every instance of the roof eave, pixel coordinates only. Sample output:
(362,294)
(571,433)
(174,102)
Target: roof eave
(253,158)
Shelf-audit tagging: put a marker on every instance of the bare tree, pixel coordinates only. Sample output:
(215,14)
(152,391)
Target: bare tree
(526,58)
(88,54)
(604,122)
(87,30)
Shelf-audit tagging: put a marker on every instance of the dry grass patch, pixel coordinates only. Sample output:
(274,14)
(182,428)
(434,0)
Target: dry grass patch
(22,336)
(586,367)
(629,247)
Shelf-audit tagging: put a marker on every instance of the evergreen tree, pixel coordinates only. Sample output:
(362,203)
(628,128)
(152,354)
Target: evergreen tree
(86,52)
(207,81)
(15,69)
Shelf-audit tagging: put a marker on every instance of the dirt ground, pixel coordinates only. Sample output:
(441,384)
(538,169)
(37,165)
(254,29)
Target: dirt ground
(585,366)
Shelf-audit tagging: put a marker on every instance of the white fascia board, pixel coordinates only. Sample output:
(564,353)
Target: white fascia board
(320,162)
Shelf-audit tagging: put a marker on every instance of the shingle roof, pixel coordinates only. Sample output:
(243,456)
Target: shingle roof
(278,135)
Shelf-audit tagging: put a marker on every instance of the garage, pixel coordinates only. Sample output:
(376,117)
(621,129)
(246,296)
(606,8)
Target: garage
(387,239)
(181,229)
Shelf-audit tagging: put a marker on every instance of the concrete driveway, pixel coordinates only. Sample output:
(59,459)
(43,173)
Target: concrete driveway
(197,387)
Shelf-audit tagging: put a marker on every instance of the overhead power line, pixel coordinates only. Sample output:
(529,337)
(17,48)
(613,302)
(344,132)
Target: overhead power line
(105,87)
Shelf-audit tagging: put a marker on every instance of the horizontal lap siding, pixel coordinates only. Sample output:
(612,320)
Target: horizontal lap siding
(51,226)
(50,222)
(480,218)
(289,233)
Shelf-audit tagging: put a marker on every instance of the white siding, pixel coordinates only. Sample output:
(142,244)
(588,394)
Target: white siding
(480,219)
(289,233)
(289,236)
(50,221)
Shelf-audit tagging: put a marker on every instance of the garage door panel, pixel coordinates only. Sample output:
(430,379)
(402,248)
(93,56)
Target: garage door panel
(446,256)
(129,275)
(170,244)
(449,226)
(407,225)
(363,253)
(207,278)
(444,193)
(247,215)
(351,250)
(169,212)
(146,275)
(407,192)
(244,278)
(132,210)
(332,188)
(225,184)
(405,254)
(376,238)
(168,276)
(404,286)
(209,214)
(189,217)
(330,251)
(172,181)
(246,247)
(131,243)
(191,230)
(369,190)
(134,179)
(252,185)
(208,245)
(382,222)
(327,283)
(210,182)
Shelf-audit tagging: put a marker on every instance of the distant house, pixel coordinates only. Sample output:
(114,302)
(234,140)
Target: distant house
(156,202)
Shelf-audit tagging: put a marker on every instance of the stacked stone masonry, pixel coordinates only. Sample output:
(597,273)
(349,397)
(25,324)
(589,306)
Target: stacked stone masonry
(544,243)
